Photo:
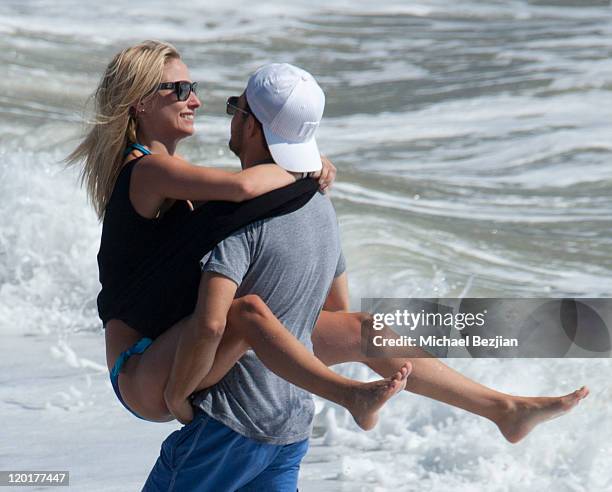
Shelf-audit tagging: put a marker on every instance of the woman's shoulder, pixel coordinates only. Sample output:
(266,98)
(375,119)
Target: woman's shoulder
(153,172)
(153,162)
(130,163)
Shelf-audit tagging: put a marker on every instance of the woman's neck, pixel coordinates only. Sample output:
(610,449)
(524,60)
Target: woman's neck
(157,146)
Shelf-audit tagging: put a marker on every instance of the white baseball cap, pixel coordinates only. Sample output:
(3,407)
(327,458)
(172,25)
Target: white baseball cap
(289,104)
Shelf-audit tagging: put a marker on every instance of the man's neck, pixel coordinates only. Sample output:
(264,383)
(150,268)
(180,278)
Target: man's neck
(255,157)
(257,163)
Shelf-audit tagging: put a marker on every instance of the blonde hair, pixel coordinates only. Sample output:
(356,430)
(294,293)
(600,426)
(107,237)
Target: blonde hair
(131,77)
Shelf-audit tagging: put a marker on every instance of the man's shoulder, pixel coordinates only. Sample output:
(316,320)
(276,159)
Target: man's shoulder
(318,207)
(318,210)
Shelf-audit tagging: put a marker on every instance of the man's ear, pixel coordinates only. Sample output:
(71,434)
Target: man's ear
(253,127)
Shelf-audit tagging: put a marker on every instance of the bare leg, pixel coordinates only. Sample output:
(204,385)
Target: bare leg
(337,339)
(250,325)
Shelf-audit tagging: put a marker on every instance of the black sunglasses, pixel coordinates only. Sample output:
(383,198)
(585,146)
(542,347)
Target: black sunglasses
(182,88)
(232,106)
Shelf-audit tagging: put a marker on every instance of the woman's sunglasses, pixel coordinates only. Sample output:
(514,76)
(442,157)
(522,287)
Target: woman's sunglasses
(181,88)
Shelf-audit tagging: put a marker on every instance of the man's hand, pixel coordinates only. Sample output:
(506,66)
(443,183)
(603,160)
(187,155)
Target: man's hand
(180,409)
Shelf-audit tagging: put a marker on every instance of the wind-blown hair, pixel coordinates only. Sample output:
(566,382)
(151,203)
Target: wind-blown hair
(131,77)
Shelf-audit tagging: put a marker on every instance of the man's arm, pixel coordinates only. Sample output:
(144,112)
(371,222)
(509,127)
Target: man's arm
(338,296)
(336,336)
(223,273)
(198,343)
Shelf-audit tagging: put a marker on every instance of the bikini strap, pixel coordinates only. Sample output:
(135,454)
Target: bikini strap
(136,146)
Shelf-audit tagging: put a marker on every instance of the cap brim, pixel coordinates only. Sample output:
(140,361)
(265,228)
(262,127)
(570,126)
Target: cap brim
(302,157)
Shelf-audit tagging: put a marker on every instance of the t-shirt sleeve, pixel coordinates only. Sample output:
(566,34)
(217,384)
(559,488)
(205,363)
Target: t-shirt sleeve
(231,257)
(341,265)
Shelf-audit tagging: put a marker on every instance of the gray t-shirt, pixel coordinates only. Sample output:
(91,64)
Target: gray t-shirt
(290,262)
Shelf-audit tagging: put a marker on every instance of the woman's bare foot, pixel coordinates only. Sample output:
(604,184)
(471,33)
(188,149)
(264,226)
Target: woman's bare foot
(368,398)
(523,414)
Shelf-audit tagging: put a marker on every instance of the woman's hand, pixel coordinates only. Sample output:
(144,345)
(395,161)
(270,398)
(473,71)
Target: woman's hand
(327,175)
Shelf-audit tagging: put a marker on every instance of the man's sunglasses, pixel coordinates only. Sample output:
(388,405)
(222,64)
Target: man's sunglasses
(232,106)
(182,88)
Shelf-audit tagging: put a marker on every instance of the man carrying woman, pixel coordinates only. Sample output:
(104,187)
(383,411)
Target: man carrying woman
(279,268)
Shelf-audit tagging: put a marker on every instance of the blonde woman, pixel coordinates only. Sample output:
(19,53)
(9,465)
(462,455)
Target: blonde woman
(152,240)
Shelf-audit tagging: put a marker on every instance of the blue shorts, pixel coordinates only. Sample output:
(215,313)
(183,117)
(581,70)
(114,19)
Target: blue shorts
(138,348)
(207,456)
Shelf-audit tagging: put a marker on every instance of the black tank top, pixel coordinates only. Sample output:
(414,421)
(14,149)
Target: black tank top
(149,268)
